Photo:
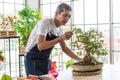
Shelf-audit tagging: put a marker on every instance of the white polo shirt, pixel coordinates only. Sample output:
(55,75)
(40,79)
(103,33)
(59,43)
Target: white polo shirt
(42,28)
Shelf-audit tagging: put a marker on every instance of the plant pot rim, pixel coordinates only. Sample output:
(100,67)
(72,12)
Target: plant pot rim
(87,67)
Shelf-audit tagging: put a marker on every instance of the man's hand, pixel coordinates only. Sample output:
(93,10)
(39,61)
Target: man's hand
(67,35)
(81,60)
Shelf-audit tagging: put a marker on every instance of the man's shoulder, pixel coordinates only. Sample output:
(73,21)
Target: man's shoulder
(45,21)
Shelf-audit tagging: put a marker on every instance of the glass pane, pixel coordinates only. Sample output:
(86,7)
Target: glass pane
(116,11)
(20,1)
(1,8)
(53,8)
(46,11)
(10,1)
(78,14)
(9,11)
(117,57)
(18,8)
(65,0)
(1,0)
(105,31)
(90,12)
(103,11)
(117,37)
(87,27)
(52,1)
(44,1)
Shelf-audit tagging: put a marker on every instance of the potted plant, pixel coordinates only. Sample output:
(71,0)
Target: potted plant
(91,45)
(25,23)
(6,23)
(2,59)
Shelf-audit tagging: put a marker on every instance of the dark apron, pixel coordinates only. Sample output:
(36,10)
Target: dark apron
(38,62)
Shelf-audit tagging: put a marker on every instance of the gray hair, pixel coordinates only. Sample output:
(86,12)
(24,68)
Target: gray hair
(63,6)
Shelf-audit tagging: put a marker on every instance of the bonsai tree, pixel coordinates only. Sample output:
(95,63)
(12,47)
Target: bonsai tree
(90,44)
(26,22)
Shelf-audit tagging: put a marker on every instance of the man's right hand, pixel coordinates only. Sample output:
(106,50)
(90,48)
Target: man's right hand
(66,36)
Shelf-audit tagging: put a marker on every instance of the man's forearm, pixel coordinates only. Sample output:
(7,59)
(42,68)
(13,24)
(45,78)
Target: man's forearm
(48,44)
(71,54)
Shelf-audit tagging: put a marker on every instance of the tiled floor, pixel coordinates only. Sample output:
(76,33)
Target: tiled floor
(110,72)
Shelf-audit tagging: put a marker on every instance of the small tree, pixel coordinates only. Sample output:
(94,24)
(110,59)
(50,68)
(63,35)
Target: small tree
(89,43)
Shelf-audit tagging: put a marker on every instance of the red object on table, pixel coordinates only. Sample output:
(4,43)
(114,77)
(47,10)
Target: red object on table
(53,71)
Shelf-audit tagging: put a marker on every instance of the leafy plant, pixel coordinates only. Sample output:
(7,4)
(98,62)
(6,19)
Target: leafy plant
(89,43)
(26,22)
(2,58)
(6,77)
(7,22)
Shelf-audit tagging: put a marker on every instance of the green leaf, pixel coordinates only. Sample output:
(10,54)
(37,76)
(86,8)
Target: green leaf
(69,63)
(6,77)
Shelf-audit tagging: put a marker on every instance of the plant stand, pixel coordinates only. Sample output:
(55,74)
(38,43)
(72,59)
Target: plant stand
(8,33)
(86,70)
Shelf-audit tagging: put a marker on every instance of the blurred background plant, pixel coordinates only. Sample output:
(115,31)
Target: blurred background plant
(2,57)
(7,22)
(26,22)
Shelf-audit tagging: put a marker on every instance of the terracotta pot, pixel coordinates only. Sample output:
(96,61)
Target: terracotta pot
(12,33)
(3,33)
(80,69)
(22,50)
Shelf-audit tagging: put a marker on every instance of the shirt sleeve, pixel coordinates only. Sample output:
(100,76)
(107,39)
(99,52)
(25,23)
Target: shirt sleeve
(42,28)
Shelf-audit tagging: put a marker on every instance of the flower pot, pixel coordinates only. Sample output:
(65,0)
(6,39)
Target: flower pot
(85,70)
(3,33)
(22,50)
(12,33)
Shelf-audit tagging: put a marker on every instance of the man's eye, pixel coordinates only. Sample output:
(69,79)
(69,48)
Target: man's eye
(65,15)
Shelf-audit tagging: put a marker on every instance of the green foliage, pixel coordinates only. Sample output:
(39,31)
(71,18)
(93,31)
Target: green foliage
(69,63)
(26,22)
(2,58)
(91,43)
(6,77)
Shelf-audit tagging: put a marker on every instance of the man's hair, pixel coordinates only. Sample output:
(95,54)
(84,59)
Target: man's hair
(63,6)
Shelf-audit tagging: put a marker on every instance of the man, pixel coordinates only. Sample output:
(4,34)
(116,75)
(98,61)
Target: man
(44,36)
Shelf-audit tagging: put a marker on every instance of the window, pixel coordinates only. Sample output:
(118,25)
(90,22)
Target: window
(100,14)
(10,8)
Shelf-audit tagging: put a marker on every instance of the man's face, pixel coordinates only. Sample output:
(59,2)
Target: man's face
(63,17)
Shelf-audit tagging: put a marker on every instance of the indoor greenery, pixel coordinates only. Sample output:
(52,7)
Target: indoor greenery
(2,57)
(6,77)
(26,22)
(90,44)
(7,22)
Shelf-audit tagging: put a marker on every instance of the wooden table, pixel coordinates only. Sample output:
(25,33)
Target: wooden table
(109,72)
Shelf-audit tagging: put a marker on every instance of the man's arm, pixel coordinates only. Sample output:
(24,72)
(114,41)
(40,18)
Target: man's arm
(69,52)
(43,44)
